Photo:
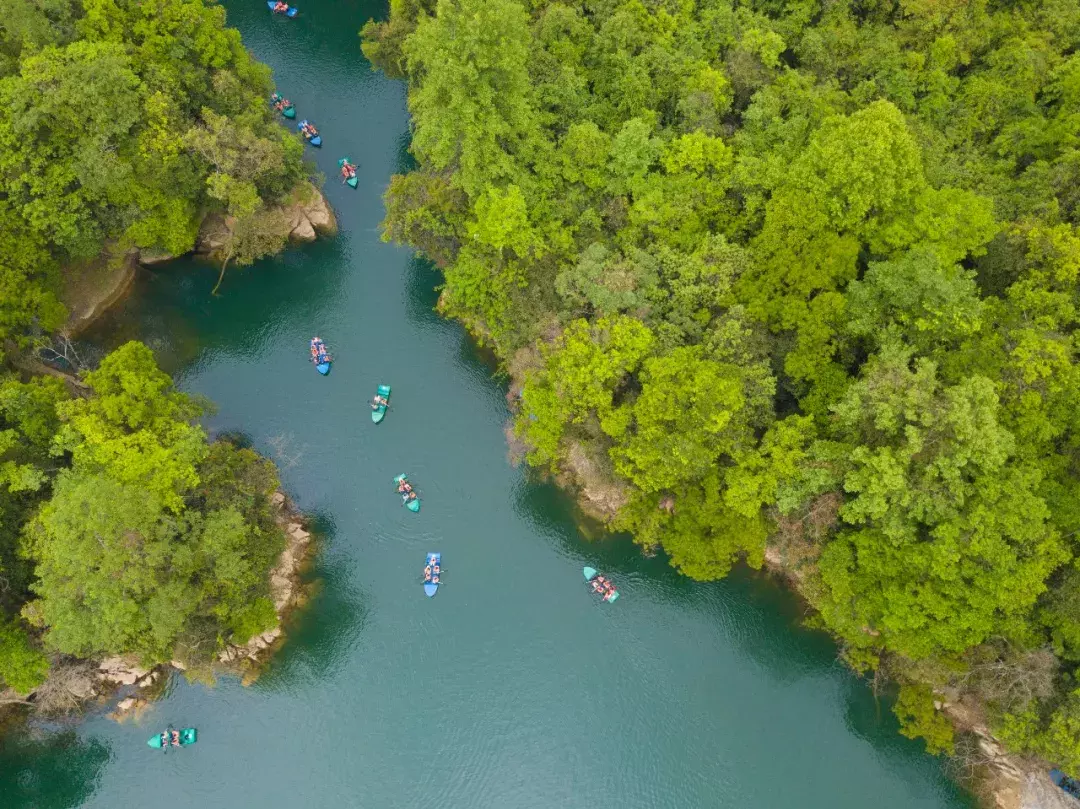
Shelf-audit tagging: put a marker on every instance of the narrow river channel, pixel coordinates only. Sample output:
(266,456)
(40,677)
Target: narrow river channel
(513,688)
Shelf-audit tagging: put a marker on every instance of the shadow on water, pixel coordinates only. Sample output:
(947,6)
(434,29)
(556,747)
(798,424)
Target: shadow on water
(769,629)
(172,308)
(422,295)
(322,634)
(871,718)
(405,161)
(42,770)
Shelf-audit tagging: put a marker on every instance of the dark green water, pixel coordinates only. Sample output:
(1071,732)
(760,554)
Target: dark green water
(513,688)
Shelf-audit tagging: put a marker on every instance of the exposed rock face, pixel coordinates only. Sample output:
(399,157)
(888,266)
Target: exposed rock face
(151,256)
(90,288)
(285,586)
(305,216)
(602,495)
(121,670)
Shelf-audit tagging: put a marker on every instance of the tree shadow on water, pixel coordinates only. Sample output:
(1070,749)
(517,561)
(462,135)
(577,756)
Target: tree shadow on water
(321,633)
(869,716)
(171,308)
(757,616)
(47,770)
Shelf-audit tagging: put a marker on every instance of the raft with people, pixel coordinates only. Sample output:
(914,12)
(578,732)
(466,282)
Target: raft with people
(310,133)
(278,7)
(409,498)
(348,172)
(283,105)
(600,585)
(320,356)
(432,572)
(380,402)
(173,738)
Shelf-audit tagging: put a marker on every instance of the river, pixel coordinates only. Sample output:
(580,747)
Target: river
(513,688)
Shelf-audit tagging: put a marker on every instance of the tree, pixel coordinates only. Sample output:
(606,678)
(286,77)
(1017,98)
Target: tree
(136,428)
(474,111)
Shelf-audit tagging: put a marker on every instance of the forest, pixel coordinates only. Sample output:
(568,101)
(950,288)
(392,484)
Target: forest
(799,280)
(123,528)
(122,124)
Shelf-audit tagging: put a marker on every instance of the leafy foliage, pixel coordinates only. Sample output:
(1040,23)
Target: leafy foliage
(124,529)
(125,121)
(806,275)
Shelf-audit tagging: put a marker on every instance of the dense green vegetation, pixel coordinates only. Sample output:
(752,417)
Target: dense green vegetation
(802,278)
(122,123)
(122,528)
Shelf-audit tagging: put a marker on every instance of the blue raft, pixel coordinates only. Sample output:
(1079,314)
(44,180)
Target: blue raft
(320,356)
(289,12)
(431,580)
(314,140)
(1070,785)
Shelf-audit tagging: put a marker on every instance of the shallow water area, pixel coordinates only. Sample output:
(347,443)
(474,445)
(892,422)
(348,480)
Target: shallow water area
(514,687)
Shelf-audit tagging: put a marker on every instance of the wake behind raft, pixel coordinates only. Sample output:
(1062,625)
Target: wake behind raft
(173,738)
(320,356)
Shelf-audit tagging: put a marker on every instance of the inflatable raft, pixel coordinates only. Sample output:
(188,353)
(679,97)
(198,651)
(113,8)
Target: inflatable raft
(611,595)
(352,180)
(320,356)
(290,12)
(411,503)
(431,580)
(314,140)
(187,736)
(379,412)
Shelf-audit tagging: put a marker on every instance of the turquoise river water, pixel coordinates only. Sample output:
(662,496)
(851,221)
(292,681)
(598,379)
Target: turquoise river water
(513,688)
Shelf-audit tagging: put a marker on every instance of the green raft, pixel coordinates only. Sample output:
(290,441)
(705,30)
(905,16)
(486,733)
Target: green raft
(377,413)
(187,736)
(413,503)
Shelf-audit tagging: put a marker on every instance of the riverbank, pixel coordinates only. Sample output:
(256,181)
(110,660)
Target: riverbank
(92,288)
(74,683)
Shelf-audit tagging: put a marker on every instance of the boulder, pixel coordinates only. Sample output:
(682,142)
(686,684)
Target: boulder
(121,671)
(277,499)
(214,233)
(320,214)
(151,256)
(303,231)
(148,680)
(126,704)
(176,664)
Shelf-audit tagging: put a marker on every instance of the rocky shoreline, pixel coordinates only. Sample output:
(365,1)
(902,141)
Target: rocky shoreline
(998,778)
(75,683)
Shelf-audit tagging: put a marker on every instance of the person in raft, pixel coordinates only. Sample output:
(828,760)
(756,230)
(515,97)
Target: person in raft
(427,573)
(379,401)
(348,171)
(404,486)
(280,7)
(175,738)
(309,131)
(408,497)
(164,740)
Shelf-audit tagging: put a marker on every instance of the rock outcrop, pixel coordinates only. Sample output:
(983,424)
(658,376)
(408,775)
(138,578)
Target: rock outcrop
(91,287)
(285,586)
(303,218)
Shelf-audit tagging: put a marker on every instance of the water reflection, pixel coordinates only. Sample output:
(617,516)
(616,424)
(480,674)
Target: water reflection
(40,769)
